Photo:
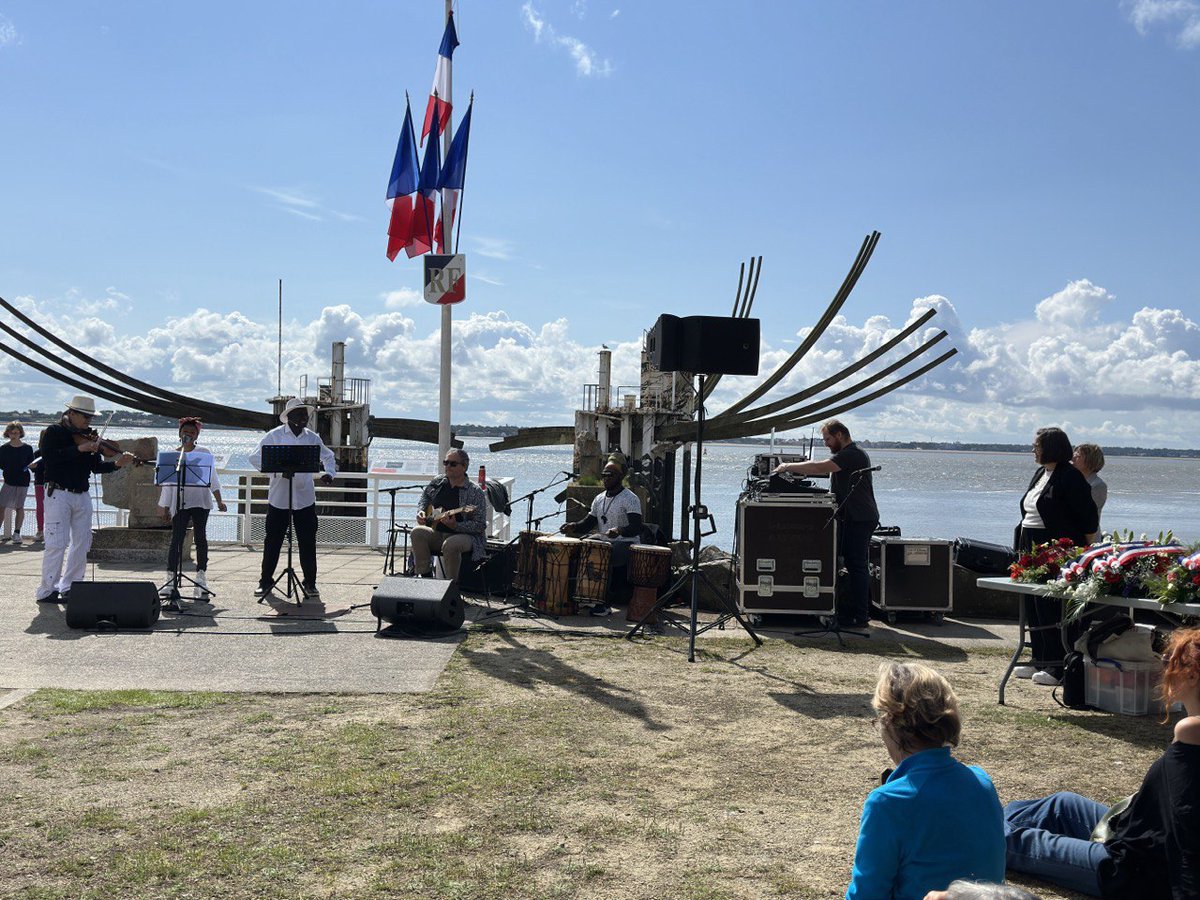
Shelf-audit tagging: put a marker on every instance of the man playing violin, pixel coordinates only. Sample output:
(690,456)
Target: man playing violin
(71,453)
(451,518)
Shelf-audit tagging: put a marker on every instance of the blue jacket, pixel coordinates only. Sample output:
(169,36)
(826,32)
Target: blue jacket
(933,821)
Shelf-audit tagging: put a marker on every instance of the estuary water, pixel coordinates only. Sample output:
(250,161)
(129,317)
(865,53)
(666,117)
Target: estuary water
(926,493)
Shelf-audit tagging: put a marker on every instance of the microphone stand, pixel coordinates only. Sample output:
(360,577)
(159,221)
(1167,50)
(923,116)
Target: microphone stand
(389,555)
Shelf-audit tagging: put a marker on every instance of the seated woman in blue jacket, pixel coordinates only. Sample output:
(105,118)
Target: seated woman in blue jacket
(933,820)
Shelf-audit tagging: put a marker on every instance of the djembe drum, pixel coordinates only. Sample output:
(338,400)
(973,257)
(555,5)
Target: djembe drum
(556,555)
(649,569)
(592,572)
(526,577)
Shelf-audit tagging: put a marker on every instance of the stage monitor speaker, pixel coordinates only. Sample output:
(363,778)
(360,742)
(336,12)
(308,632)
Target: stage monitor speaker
(711,345)
(418,602)
(113,604)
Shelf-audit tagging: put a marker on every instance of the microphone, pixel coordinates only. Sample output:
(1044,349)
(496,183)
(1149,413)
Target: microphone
(867,469)
(570,474)
(578,503)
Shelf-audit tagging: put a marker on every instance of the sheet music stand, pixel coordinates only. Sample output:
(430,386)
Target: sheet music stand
(179,470)
(289,460)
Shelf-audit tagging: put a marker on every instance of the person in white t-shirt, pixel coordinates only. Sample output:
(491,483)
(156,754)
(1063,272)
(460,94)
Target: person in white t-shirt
(293,432)
(616,516)
(197,504)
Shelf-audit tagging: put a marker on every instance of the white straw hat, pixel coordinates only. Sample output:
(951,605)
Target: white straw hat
(83,404)
(293,404)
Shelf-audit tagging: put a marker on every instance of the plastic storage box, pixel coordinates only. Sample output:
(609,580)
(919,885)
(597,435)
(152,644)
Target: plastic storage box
(1128,688)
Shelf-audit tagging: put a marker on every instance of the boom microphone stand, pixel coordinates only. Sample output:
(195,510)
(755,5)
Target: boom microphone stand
(690,579)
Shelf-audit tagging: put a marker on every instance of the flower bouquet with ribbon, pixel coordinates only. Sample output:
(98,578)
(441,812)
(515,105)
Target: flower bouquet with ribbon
(1116,566)
(1043,563)
(1180,583)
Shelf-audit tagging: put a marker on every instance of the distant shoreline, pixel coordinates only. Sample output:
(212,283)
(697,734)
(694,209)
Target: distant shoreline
(124,419)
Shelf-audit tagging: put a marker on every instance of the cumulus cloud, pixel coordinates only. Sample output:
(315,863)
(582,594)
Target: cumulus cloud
(587,63)
(1181,18)
(1128,379)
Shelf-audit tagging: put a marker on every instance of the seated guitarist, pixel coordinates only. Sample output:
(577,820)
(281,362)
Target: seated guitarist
(451,519)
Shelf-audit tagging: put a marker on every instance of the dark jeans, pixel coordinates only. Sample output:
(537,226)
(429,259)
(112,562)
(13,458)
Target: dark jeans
(1044,615)
(854,546)
(305,521)
(198,517)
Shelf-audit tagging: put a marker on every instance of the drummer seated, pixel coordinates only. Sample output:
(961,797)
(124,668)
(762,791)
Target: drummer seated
(615,516)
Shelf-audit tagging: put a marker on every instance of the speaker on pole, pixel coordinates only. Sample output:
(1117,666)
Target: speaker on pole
(418,603)
(713,345)
(113,604)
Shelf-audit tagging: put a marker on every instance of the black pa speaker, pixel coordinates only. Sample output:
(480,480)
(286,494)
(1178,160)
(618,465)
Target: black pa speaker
(420,602)
(711,345)
(114,604)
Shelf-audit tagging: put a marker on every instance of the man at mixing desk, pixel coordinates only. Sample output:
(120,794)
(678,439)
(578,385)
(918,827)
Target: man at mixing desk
(849,471)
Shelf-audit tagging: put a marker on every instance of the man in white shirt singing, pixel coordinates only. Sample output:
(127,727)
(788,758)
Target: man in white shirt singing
(292,432)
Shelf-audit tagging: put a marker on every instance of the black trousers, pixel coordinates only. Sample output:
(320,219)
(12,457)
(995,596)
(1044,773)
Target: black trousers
(198,518)
(305,521)
(1043,614)
(854,546)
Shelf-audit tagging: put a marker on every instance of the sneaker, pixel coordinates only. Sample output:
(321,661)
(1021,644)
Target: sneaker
(1024,671)
(201,590)
(262,590)
(16,539)
(39,538)
(1045,678)
(51,597)
(601,611)
(311,592)
(4,539)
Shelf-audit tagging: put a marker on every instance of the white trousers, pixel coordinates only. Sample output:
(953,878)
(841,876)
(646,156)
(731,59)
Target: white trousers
(68,532)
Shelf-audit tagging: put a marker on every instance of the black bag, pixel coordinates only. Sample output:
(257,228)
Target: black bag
(1073,693)
(982,557)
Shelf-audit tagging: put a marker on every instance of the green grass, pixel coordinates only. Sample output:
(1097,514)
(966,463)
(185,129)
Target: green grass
(64,702)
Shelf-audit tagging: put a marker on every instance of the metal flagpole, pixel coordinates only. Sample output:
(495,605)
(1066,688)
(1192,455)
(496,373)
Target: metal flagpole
(279,372)
(447,322)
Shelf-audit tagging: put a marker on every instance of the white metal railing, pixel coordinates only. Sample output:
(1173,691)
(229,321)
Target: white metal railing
(244,523)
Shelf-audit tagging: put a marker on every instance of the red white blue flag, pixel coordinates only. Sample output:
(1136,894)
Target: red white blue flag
(440,95)
(452,179)
(401,187)
(423,217)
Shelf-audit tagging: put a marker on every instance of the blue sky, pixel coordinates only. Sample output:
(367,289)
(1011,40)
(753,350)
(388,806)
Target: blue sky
(1030,165)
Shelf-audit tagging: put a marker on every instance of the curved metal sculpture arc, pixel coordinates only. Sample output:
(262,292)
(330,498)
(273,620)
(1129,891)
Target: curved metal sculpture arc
(741,308)
(824,402)
(408,430)
(856,270)
(535,437)
(836,377)
(213,413)
(211,410)
(159,409)
(686,431)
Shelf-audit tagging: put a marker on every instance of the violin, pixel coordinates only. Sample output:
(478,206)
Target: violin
(105,447)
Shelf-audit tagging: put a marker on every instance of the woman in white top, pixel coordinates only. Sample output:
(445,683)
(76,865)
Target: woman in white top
(1089,460)
(197,503)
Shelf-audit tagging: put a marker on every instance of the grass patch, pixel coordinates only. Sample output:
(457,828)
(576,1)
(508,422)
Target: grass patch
(63,702)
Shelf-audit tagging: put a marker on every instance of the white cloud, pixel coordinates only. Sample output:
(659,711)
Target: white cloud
(587,63)
(615,13)
(297,202)
(8,33)
(493,248)
(1128,379)
(1181,17)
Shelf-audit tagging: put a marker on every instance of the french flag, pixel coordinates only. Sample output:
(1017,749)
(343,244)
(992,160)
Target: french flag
(453,177)
(401,187)
(440,94)
(426,201)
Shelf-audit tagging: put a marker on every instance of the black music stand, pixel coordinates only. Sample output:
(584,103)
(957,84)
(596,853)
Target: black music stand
(177,469)
(290,460)
(690,579)
(389,555)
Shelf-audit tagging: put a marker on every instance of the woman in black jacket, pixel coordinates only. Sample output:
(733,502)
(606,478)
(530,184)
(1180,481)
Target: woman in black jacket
(1057,504)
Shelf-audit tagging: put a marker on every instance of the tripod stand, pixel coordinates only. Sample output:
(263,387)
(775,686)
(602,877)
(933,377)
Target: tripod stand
(690,579)
(289,460)
(389,556)
(177,470)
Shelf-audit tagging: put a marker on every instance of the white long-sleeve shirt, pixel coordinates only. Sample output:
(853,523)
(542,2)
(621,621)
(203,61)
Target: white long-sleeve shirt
(303,493)
(194,495)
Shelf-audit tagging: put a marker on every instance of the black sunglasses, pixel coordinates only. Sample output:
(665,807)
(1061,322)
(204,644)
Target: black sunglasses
(451,462)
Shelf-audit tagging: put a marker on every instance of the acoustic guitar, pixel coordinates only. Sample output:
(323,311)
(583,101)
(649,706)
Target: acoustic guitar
(435,515)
